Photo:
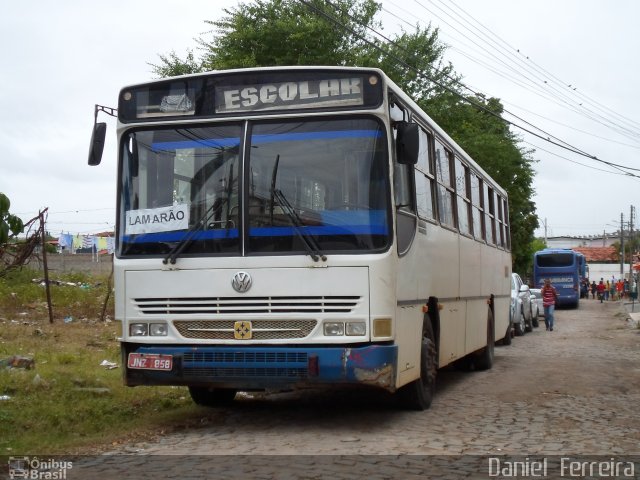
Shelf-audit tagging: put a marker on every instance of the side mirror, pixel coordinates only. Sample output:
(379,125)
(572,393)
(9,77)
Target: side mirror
(408,143)
(524,288)
(97,143)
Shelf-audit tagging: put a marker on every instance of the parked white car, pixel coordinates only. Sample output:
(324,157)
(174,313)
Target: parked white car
(521,306)
(538,309)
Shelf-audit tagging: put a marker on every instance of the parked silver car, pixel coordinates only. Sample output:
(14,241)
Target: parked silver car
(538,309)
(521,306)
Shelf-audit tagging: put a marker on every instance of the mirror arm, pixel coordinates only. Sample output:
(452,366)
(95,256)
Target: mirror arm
(108,110)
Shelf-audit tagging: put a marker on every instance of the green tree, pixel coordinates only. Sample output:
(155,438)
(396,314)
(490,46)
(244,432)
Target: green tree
(279,32)
(10,225)
(317,32)
(172,65)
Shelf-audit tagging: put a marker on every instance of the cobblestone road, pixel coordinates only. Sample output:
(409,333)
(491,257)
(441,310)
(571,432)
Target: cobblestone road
(573,391)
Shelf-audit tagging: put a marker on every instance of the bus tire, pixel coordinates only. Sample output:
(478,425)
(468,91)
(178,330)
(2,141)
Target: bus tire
(507,336)
(484,358)
(419,394)
(212,397)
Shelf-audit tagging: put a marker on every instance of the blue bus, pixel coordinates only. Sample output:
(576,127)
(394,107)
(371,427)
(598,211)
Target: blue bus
(565,268)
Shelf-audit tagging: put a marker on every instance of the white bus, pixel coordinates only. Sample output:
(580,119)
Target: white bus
(283,227)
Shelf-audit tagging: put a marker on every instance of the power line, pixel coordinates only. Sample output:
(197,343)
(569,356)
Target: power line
(578,163)
(538,91)
(559,143)
(73,211)
(549,80)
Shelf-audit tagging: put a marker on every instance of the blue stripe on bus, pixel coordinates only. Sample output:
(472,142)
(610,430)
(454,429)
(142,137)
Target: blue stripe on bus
(261,139)
(177,236)
(317,231)
(200,143)
(329,135)
(259,232)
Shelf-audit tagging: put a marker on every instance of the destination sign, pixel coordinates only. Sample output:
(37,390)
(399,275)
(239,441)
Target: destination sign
(154,220)
(336,92)
(261,91)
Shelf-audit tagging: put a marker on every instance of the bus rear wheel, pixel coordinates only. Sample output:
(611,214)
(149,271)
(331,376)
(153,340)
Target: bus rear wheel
(484,359)
(212,397)
(508,336)
(419,394)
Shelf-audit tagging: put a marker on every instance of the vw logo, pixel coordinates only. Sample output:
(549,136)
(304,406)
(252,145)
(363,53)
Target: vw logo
(241,282)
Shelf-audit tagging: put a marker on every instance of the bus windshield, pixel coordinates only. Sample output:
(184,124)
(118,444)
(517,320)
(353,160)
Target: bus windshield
(200,190)
(556,260)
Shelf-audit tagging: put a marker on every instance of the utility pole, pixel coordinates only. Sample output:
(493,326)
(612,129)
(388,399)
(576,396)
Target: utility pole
(631,243)
(621,244)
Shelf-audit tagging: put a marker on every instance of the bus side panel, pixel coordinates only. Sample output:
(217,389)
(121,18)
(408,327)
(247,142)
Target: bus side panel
(437,264)
(409,313)
(471,268)
(408,335)
(453,331)
(496,279)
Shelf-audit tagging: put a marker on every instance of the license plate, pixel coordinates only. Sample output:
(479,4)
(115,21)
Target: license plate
(150,361)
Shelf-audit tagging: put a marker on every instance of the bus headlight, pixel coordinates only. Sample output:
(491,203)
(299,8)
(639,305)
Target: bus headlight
(138,329)
(158,330)
(333,329)
(355,328)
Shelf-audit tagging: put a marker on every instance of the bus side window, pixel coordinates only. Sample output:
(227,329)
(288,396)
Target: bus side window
(500,222)
(507,232)
(476,207)
(445,193)
(464,203)
(424,178)
(406,220)
(489,210)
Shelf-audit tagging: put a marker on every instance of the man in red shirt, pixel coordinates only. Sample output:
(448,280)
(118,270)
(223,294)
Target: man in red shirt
(549,297)
(601,289)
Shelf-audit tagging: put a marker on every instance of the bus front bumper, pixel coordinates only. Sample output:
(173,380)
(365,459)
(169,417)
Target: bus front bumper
(259,368)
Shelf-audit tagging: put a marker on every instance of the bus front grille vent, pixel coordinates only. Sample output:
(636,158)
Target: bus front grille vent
(246,305)
(289,365)
(260,329)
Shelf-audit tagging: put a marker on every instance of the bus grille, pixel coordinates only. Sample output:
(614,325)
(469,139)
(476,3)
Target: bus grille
(288,373)
(260,329)
(246,305)
(234,364)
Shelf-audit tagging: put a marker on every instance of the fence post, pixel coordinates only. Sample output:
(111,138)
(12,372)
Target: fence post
(44,264)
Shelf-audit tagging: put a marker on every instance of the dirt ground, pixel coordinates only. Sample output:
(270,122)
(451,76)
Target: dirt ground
(593,350)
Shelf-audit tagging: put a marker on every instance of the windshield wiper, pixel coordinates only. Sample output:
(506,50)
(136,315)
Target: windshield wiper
(179,247)
(309,242)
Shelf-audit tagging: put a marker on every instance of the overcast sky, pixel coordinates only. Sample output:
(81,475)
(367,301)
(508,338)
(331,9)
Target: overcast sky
(568,67)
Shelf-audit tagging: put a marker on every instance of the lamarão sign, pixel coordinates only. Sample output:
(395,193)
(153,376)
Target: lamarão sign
(154,220)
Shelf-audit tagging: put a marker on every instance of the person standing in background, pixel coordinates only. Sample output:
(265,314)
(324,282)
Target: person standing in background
(549,297)
(601,288)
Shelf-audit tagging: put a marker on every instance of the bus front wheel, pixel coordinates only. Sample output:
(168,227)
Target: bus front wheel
(419,394)
(212,397)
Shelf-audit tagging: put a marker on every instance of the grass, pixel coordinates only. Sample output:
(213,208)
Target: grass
(68,401)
